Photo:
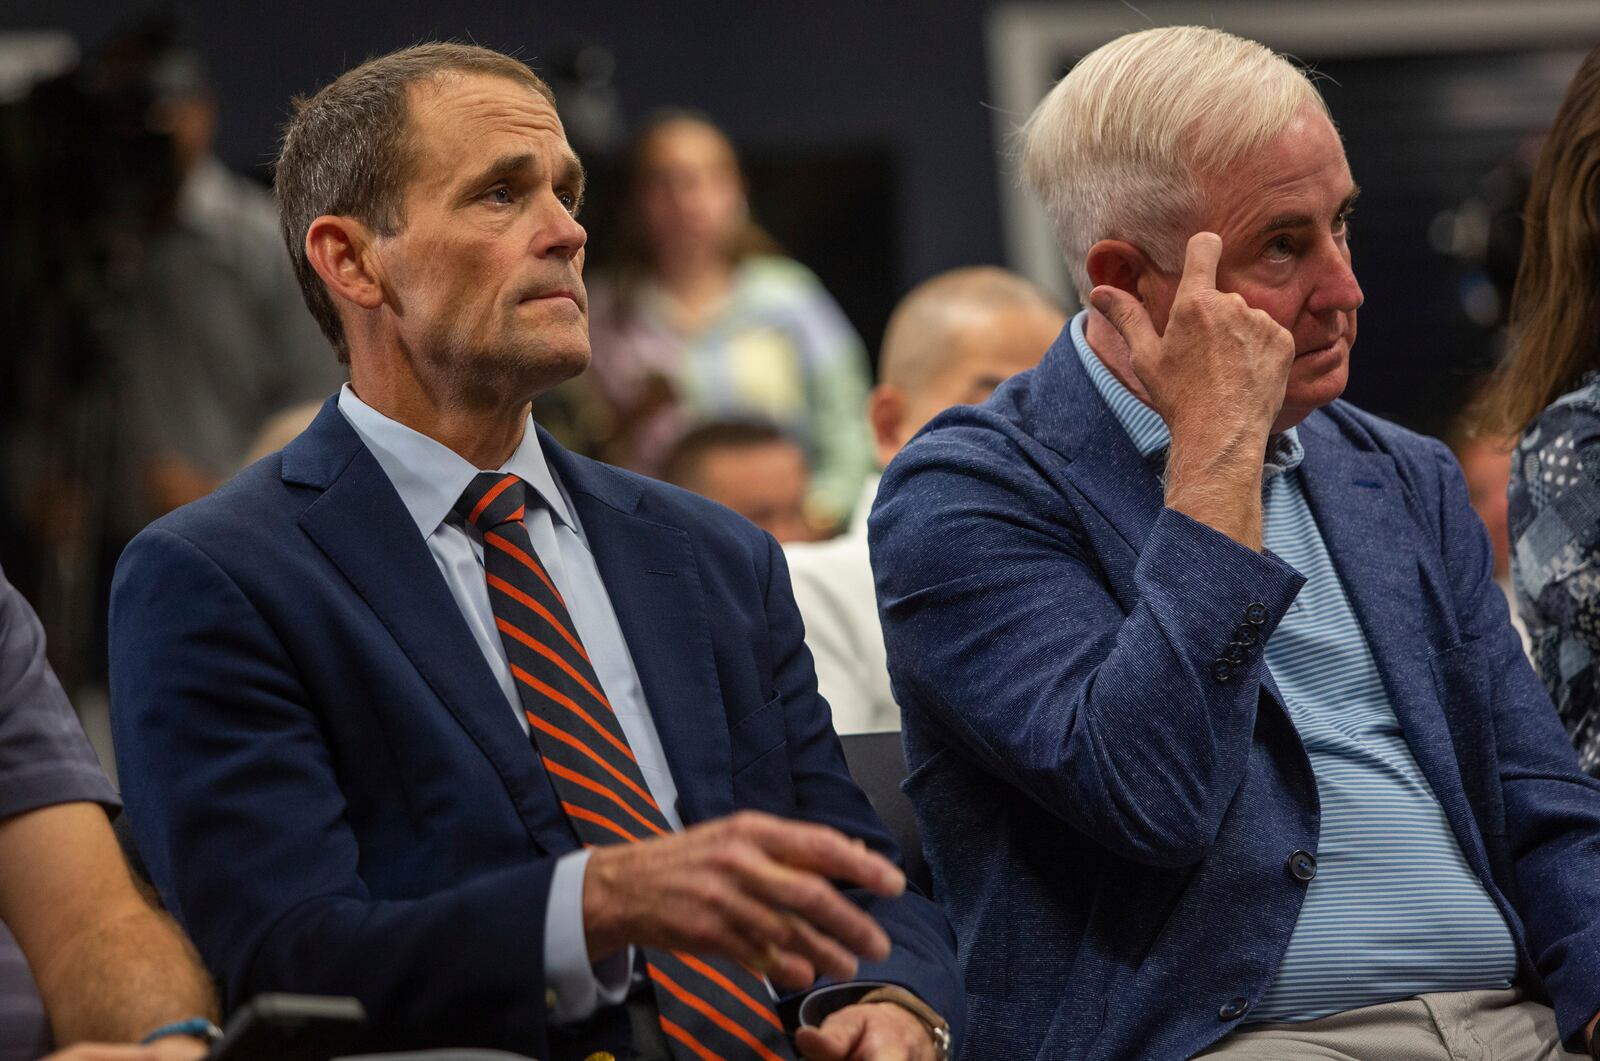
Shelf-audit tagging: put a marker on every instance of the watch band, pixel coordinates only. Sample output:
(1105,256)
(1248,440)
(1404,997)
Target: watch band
(198,1027)
(938,1028)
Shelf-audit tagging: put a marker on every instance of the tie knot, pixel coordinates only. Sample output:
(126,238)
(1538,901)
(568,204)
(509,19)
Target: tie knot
(492,498)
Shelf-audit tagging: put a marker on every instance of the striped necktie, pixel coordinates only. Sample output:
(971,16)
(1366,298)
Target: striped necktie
(711,1008)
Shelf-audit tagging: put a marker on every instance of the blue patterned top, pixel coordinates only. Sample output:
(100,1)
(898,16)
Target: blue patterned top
(1394,910)
(1554,517)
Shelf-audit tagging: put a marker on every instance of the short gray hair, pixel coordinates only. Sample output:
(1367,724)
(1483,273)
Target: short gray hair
(347,151)
(1114,149)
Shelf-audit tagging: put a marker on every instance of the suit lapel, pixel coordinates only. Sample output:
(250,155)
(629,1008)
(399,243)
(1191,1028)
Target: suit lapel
(1120,485)
(365,530)
(1361,508)
(650,573)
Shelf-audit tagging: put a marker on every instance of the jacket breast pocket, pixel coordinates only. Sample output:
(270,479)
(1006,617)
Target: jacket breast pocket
(761,776)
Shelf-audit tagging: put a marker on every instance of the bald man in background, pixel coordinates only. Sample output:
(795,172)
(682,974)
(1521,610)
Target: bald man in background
(951,341)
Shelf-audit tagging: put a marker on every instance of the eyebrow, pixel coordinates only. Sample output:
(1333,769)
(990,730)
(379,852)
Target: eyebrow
(1286,221)
(570,171)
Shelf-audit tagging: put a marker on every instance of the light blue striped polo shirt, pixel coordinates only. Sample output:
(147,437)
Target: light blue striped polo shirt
(1394,909)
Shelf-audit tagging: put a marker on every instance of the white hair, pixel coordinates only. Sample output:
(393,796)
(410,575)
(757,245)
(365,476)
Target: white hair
(1114,151)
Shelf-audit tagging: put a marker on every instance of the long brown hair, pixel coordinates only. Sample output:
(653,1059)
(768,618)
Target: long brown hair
(633,259)
(1555,306)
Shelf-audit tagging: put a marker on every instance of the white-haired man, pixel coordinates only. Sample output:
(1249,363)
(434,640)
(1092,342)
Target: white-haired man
(1213,662)
(951,340)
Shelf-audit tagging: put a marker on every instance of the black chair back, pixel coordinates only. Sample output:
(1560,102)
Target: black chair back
(877,761)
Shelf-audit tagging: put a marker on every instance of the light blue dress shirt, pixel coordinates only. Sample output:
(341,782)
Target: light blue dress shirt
(1394,910)
(429,478)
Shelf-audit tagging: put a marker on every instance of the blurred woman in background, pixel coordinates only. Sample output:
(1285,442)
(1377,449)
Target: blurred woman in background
(1549,390)
(702,319)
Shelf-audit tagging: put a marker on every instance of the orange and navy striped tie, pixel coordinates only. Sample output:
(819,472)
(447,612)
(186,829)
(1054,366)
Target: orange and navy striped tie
(711,1008)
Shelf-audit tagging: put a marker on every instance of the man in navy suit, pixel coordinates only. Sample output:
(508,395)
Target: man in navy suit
(384,702)
(1213,662)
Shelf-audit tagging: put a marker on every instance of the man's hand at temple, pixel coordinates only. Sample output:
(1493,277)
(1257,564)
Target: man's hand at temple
(752,887)
(1217,375)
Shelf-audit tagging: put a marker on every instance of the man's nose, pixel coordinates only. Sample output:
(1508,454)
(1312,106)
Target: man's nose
(559,234)
(1337,288)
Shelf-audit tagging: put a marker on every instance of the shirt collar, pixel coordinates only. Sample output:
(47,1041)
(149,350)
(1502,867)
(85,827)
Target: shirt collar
(1144,425)
(429,476)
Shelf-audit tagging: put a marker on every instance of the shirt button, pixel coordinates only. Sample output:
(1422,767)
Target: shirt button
(1221,671)
(1256,614)
(1302,866)
(1233,1009)
(1245,634)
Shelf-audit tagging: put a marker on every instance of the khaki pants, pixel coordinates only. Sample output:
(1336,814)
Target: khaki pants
(1450,1026)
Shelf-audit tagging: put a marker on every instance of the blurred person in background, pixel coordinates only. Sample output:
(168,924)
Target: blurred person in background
(216,338)
(154,322)
(703,319)
(752,468)
(1548,390)
(951,341)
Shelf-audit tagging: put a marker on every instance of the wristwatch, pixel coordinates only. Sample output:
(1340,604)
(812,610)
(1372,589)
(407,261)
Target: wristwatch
(937,1027)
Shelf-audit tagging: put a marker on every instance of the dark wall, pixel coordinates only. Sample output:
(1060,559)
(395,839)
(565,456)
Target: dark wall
(904,83)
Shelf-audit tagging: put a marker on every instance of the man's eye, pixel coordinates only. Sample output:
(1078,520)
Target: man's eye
(1280,249)
(1341,224)
(572,203)
(500,195)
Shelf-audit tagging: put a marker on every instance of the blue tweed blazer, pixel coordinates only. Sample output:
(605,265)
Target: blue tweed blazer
(1107,823)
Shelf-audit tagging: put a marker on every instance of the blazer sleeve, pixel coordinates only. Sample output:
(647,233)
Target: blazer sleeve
(1100,701)
(1551,808)
(923,958)
(220,752)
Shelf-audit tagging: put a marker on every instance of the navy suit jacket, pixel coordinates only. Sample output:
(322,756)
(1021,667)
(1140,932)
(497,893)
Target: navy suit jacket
(1052,630)
(331,792)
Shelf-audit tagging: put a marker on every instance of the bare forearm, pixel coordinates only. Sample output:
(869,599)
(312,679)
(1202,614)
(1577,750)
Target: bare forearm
(1214,477)
(118,980)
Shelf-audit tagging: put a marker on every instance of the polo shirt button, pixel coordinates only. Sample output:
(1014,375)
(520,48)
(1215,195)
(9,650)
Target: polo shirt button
(1221,671)
(1302,866)
(1235,653)
(1256,614)
(1233,1009)
(1245,634)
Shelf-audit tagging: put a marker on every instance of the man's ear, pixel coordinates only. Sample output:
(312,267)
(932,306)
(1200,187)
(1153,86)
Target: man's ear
(340,250)
(886,412)
(1118,263)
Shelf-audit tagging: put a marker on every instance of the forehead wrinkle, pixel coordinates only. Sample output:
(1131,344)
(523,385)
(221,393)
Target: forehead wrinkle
(1304,220)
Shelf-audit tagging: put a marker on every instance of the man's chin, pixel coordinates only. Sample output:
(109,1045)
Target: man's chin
(1306,397)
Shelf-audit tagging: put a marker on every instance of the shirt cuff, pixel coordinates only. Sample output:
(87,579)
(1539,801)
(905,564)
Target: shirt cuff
(575,987)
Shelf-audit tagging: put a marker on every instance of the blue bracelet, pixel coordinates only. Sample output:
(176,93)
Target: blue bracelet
(198,1027)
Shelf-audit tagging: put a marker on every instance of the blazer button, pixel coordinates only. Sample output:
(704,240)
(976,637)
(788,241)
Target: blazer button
(551,999)
(1235,653)
(1221,671)
(1233,1009)
(1256,614)
(1302,866)
(1245,634)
